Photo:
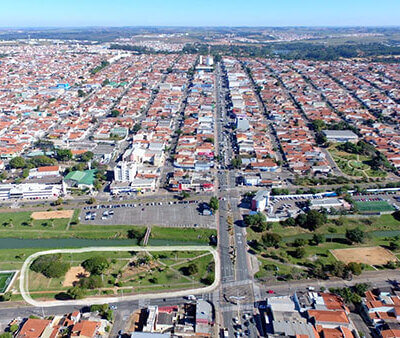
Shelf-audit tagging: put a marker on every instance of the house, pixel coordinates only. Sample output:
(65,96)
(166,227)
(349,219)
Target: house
(328,319)
(85,329)
(143,184)
(33,328)
(203,318)
(47,171)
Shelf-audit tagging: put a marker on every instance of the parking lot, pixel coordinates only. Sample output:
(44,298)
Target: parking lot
(174,214)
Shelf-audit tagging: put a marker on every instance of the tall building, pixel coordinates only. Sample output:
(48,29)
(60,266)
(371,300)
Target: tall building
(125,171)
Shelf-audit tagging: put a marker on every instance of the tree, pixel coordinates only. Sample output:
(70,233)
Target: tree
(91,282)
(115,113)
(63,154)
(361,288)
(355,268)
(318,125)
(299,242)
(301,220)
(91,200)
(50,266)
(25,173)
(289,222)
(14,328)
(236,162)
(17,162)
(270,239)
(355,235)
(9,223)
(76,292)
(96,265)
(257,222)
(338,269)
(6,335)
(317,239)
(136,128)
(184,195)
(214,203)
(87,156)
(58,201)
(134,234)
(299,252)
(315,219)
(190,270)
(6,297)
(41,161)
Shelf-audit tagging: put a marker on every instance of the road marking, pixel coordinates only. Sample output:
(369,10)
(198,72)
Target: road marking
(23,281)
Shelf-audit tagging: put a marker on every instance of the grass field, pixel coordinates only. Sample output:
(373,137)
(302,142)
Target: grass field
(374,206)
(5,279)
(133,272)
(354,165)
(21,225)
(380,231)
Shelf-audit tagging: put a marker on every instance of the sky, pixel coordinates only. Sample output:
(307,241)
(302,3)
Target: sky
(77,13)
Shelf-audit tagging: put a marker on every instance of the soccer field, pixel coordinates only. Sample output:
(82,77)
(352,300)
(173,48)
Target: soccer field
(5,279)
(374,206)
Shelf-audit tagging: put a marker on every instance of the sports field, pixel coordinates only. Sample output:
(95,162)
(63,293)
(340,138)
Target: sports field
(5,279)
(52,214)
(372,256)
(373,206)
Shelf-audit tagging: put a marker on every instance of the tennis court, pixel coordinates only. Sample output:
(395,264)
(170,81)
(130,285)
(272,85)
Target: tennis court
(374,206)
(5,279)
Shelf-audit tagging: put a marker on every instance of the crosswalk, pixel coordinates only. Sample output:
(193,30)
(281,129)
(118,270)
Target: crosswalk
(240,307)
(238,283)
(144,303)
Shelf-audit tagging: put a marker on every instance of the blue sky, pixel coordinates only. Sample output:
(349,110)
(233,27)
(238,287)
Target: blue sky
(41,13)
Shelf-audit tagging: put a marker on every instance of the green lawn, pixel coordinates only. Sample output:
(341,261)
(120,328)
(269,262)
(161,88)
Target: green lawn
(126,274)
(374,206)
(5,279)
(379,231)
(353,165)
(172,235)
(22,221)
(19,225)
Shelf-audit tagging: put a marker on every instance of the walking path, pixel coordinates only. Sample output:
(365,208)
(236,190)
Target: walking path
(24,287)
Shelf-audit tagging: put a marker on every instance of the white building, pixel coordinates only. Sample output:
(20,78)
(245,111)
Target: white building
(326,203)
(125,171)
(340,135)
(260,200)
(48,171)
(143,184)
(31,191)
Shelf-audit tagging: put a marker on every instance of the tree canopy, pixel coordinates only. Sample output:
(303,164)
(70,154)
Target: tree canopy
(96,265)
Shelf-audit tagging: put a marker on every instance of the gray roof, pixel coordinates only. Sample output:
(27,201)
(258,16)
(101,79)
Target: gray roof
(326,201)
(260,195)
(243,125)
(340,134)
(293,328)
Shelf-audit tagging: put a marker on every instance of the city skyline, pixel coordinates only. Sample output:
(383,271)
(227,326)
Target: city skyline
(256,13)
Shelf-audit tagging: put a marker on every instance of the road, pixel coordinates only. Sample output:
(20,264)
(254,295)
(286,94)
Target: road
(24,287)
(236,281)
